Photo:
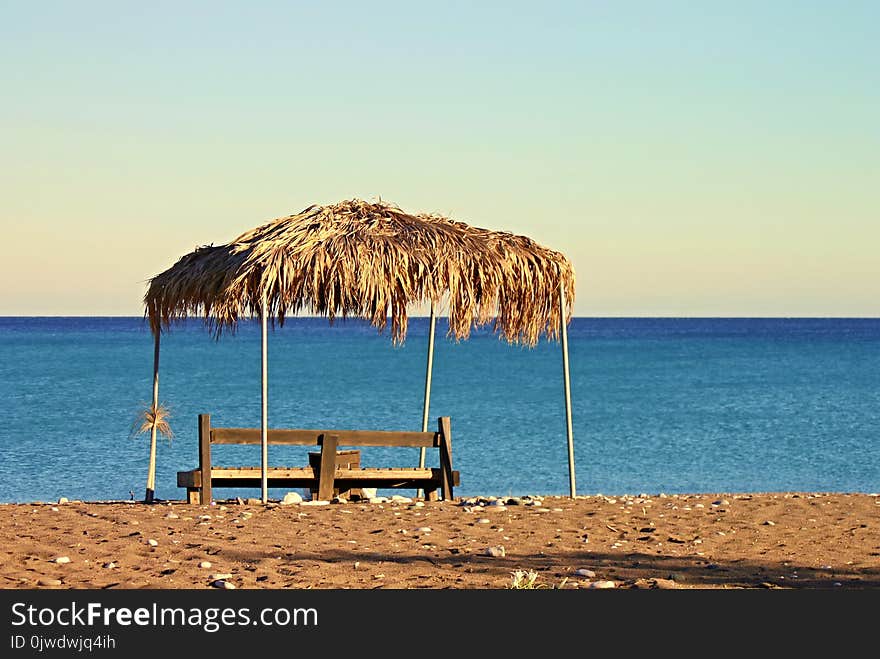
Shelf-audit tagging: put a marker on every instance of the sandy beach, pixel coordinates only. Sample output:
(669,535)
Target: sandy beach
(781,540)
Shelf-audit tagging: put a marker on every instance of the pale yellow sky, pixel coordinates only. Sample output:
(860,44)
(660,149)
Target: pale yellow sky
(688,163)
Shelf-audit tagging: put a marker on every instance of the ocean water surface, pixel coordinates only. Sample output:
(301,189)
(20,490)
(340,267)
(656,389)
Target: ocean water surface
(659,405)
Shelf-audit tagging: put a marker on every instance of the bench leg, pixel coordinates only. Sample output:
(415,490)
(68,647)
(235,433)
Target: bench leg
(328,467)
(431,494)
(446,477)
(193,496)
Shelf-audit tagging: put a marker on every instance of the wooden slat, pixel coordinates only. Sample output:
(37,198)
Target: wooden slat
(307,472)
(446,477)
(205,456)
(306,437)
(328,466)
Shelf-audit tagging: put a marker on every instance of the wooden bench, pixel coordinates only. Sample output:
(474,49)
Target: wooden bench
(324,476)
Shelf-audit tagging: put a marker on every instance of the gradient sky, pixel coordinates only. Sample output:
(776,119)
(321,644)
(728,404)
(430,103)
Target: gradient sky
(691,159)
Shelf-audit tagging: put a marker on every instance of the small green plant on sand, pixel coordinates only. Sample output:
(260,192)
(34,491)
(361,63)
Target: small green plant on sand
(528,580)
(522,580)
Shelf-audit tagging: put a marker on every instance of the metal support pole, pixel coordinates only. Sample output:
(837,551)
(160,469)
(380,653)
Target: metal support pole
(151,469)
(428,370)
(567,383)
(264,417)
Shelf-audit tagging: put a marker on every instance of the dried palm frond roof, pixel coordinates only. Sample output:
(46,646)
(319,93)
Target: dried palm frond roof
(369,260)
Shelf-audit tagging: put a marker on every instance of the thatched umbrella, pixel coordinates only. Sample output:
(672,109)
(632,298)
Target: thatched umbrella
(372,260)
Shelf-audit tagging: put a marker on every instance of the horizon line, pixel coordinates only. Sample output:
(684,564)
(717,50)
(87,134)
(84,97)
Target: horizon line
(597,317)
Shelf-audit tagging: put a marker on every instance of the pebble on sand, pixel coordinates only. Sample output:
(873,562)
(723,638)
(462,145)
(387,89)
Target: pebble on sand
(769,523)
(603,584)
(589,574)
(109,566)
(205,564)
(495,552)
(45,581)
(221,577)
(422,529)
(225,585)
(291,498)
(63,500)
(153,543)
(61,560)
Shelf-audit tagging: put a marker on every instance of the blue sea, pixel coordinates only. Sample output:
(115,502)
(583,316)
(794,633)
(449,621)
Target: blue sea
(659,405)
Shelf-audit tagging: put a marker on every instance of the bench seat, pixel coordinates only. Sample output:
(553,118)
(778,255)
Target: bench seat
(306,477)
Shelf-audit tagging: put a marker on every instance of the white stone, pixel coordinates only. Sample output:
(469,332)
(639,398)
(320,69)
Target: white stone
(484,521)
(63,500)
(423,529)
(400,499)
(223,584)
(603,584)
(419,504)
(379,500)
(109,566)
(315,503)
(368,492)
(221,577)
(769,523)
(172,516)
(495,552)
(61,560)
(589,574)
(291,498)
(205,564)
(152,543)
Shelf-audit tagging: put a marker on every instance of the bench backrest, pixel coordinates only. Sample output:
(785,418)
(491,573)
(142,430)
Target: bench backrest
(304,437)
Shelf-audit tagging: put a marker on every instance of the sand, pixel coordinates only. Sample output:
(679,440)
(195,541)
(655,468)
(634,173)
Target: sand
(783,540)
